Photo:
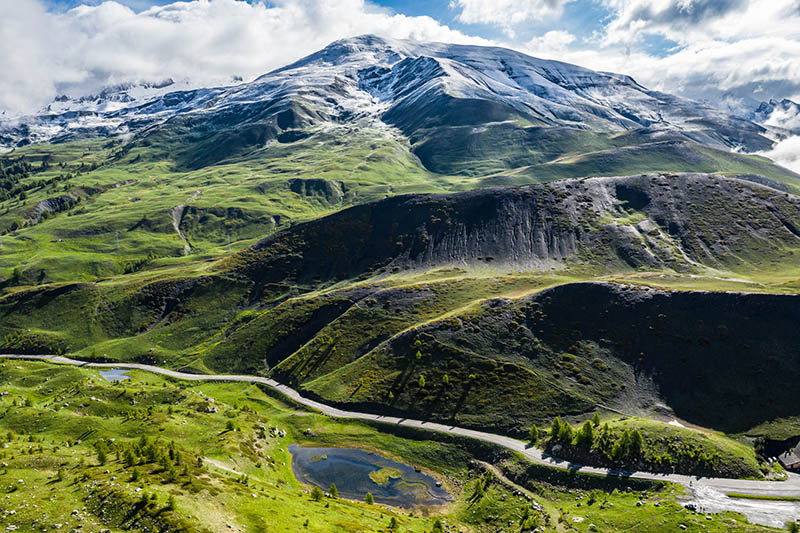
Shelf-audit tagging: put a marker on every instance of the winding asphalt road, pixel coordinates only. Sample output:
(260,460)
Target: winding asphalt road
(706,489)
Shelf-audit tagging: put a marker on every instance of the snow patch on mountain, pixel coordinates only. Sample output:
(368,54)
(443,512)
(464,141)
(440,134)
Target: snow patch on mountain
(116,110)
(402,73)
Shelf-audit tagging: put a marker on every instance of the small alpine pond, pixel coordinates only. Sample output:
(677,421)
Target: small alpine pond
(114,375)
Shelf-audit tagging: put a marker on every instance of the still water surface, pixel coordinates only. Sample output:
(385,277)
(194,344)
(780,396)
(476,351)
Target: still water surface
(114,375)
(357,472)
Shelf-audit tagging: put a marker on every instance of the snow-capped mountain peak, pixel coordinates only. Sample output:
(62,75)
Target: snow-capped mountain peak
(406,84)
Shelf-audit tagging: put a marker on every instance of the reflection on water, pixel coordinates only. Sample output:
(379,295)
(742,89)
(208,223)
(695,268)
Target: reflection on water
(114,375)
(357,472)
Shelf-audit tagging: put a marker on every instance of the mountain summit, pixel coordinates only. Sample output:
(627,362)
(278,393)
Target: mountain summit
(405,77)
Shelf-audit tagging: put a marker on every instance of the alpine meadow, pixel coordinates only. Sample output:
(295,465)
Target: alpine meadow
(406,283)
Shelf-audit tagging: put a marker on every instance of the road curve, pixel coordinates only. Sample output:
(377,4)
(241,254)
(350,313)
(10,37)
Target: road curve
(790,487)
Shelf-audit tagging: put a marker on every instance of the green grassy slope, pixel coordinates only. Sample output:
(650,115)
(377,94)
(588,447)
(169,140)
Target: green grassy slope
(108,229)
(113,205)
(659,156)
(93,265)
(65,415)
(665,448)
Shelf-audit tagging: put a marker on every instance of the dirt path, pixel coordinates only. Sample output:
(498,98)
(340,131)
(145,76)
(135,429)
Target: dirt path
(221,466)
(177,216)
(498,474)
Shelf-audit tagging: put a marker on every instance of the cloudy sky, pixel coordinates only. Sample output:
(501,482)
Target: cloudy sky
(742,51)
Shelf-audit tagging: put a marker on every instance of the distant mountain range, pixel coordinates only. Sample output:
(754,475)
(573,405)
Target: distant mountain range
(783,114)
(115,110)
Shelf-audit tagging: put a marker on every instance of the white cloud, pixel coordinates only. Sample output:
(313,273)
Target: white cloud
(732,53)
(692,21)
(742,50)
(506,13)
(26,54)
(550,44)
(743,72)
(43,54)
(786,118)
(725,66)
(786,153)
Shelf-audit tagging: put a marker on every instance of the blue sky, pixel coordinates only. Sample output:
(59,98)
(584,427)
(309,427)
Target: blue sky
(732,53)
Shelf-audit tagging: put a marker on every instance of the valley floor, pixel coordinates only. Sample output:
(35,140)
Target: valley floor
(708,493)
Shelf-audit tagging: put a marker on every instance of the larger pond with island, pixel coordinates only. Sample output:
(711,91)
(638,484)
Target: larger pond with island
(357,472)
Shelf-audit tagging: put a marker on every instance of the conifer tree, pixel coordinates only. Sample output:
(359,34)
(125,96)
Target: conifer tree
(533,434)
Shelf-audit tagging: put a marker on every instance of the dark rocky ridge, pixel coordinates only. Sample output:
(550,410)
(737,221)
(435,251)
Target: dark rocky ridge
(653,221)
(722,360)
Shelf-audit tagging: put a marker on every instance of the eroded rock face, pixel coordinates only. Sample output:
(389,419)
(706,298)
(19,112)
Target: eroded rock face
(51,205)
(64,202)
(650,221)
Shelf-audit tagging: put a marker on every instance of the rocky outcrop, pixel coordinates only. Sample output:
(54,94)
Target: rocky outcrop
(329,191)
(64,202)
(50,206)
